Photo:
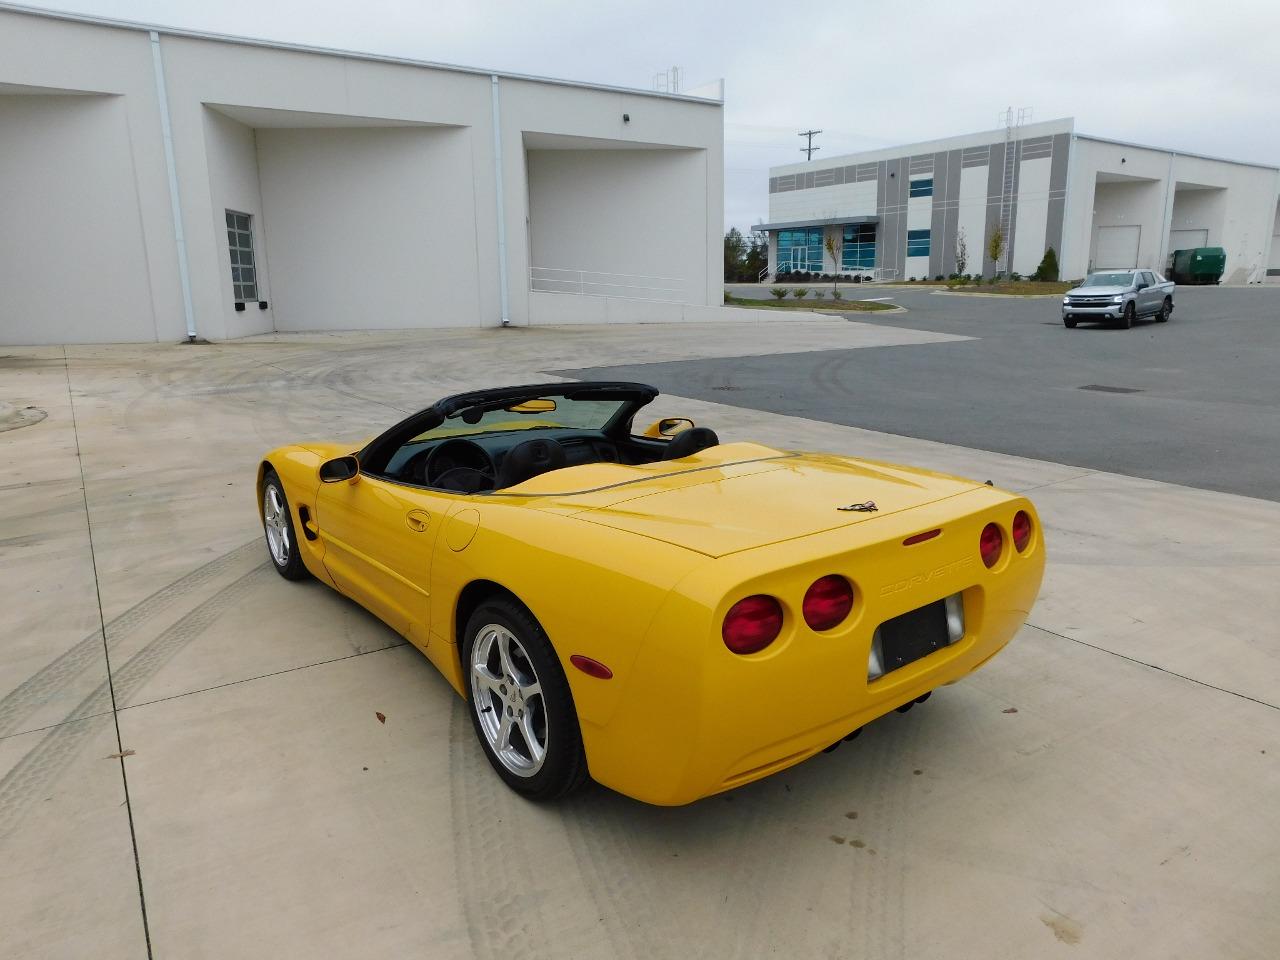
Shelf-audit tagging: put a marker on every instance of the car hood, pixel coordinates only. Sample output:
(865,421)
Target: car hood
(738,496)
(1096,291)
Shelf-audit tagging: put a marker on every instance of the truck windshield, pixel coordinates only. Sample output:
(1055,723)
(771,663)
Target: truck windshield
(1109,280)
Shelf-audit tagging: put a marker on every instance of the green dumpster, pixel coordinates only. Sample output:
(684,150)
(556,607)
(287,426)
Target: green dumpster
(1198,265)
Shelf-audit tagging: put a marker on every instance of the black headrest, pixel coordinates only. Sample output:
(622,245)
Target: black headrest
(688,442)
(529,459)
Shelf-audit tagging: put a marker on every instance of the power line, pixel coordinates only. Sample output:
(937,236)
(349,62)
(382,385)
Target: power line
(809,150)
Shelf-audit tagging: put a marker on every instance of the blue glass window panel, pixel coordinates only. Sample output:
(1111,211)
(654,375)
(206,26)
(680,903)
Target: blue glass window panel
(917,243)
(922,188)
(859,251)
(800,249)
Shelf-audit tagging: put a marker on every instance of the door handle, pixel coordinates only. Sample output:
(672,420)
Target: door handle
(417,520)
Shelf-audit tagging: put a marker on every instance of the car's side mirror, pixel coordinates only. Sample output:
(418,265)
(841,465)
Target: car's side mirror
(1143,286)
(339,469)
(668,427)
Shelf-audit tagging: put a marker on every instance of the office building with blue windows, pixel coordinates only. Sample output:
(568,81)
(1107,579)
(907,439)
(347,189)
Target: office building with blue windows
(930,209)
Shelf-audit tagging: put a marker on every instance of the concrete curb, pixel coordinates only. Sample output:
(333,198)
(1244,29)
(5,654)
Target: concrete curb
(852,314)
(998,296)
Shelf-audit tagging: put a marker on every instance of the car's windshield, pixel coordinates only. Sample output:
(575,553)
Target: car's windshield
(531,414)
(1109,280)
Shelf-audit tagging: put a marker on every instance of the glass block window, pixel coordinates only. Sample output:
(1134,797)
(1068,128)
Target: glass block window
(922,188)
(917,243)
(244,272)
(859,252)
(800,249)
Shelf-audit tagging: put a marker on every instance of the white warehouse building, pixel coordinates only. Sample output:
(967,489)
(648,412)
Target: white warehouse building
(163,185)
(902,212)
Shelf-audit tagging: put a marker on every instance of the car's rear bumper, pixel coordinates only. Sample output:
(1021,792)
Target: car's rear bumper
(696,719)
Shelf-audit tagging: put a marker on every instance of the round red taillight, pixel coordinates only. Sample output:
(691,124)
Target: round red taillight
(1021,530)
(827,602)
(990,544)
(752,624)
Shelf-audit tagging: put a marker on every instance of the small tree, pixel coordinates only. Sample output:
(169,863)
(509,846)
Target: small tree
(995,248)
(962,253)
(757,259)
(1048,269)
(735,251)
(835,247)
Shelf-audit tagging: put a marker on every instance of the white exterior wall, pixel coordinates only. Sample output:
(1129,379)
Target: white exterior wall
(88,182)
(284,134)
(972,215)
(65,179)
(1200,212)
(1237,209)
(1033,215)
(371,228)
(234,185)
(632,220)
(821,203)
(1273,257)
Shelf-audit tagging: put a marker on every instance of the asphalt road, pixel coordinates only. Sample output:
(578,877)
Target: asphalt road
(1204,410)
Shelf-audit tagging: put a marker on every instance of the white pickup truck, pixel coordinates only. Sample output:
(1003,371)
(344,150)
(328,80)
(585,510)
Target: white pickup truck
(1123,295)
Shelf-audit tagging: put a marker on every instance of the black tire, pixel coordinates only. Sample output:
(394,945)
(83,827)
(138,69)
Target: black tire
(1069,322)
(291,566)
(1126,320)
(564,766)
(1166,310)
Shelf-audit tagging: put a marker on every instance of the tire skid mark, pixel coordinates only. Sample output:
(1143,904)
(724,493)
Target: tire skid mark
(783,856)
(34,692)
(500,903)
(621,876)
(31,776)
(884,924)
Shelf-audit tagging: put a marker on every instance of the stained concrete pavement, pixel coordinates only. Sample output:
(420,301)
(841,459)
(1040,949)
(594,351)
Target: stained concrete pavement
(1105,787)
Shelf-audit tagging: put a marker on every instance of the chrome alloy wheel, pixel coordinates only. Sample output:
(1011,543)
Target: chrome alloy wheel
(507,698)
(276,520)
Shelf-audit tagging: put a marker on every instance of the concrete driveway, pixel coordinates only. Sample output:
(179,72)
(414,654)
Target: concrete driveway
(1106,787)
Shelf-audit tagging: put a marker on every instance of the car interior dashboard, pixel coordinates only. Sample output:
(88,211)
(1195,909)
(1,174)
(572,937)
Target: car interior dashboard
(499,459)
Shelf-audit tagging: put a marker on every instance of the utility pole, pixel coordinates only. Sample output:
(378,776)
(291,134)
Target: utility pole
(809,150)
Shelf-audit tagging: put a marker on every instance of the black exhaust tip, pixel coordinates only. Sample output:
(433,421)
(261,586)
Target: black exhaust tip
(924,696)
(830,748)
(906,706)
(854,735)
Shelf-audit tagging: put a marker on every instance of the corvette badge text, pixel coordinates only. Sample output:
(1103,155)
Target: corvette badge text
(920,579)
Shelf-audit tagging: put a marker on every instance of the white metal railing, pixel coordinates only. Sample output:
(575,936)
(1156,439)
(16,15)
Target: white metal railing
(884,273)
(764,275)
(628,286)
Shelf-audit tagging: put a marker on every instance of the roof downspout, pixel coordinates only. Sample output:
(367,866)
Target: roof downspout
(180,240)
(1166,216)
(502,212)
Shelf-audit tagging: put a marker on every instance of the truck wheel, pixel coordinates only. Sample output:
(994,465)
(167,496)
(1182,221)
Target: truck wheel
(1126,320)
(1165,311)
(1069,322)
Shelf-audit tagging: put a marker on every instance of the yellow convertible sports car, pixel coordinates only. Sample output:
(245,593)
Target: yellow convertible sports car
(667,614)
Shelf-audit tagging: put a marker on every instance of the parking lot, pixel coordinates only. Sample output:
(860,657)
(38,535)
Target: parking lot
(1106,787)
(1192,402)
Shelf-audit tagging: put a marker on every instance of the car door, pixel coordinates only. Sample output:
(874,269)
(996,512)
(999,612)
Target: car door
(379,538)
(1147,297)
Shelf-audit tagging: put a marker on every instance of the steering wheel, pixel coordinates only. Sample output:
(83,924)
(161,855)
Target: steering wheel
(453,454)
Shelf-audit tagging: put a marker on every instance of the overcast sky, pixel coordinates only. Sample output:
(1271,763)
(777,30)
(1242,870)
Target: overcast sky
(1191,75)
